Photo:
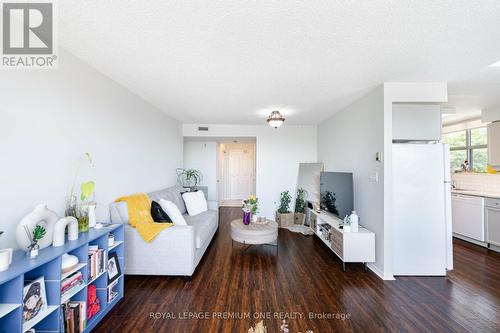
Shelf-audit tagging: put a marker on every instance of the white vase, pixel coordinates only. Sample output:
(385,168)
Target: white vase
(354,218)
(254,218)
(42,216)
(5,258)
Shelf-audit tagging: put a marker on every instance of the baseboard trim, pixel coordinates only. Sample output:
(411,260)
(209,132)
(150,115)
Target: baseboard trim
(470,240)
(379,273)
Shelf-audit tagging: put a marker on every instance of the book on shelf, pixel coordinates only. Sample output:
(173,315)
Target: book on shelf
(74,280)
(96,261)
(73,318)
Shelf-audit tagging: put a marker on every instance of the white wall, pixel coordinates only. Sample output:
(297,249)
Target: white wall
(49,118)
(348,142)
(202,155)
(279,152)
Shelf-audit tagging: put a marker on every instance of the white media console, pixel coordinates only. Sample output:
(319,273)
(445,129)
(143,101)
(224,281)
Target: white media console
(348,246)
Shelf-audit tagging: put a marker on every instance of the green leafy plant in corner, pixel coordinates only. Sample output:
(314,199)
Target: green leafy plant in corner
(300,201)
(189,177)
(285,199)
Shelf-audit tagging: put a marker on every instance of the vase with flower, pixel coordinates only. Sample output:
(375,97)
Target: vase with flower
(80,209)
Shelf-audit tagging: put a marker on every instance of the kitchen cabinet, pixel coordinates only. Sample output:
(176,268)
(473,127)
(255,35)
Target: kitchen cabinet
(421,122)
(494,144)
(492,219)
(468,216)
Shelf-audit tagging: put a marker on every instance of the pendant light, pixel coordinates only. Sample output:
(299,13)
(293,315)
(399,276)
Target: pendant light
(275,119)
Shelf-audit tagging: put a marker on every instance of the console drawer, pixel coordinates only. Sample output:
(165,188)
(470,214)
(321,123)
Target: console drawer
(337,242)
(313,221)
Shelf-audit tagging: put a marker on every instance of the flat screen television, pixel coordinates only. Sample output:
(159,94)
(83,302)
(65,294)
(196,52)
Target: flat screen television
(336,191)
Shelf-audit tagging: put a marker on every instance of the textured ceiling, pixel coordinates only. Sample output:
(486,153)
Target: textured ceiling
(235,61)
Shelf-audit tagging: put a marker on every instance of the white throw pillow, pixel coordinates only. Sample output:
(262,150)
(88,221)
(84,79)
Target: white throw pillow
(195,202)
(173,211)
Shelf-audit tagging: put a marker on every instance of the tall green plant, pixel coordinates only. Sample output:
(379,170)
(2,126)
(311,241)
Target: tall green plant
(300,201)
(285,199)
(189,177)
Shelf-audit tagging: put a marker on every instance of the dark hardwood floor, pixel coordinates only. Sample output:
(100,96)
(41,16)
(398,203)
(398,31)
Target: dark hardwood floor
(307,278)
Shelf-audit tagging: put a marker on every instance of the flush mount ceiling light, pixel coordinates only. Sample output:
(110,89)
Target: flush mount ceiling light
(496,64)
(275,119)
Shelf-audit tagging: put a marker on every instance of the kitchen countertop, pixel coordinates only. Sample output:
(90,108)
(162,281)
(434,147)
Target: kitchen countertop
(494,195)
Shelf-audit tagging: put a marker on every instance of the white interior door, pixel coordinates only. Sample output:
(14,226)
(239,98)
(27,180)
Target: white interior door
(238,171)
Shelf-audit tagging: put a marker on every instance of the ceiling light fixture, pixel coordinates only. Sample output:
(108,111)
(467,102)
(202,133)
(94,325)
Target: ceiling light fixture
(275,119)
(496,64)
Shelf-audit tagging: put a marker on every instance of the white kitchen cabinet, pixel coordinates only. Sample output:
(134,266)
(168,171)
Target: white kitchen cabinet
(492,219)
(421,122)
(468,216)
(494,144)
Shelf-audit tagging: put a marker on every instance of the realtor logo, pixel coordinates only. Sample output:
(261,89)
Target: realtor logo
(28,35)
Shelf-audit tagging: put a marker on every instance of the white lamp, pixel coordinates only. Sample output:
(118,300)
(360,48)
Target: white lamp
(275,119)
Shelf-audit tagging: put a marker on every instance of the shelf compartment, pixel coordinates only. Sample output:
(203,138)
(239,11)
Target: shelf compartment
(116,244)
(72,292)
(50,309)
(96,278)
(12,320)
(7,308)
(77,268)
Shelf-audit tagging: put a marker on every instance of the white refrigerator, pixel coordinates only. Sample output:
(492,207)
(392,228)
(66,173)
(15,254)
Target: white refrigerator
(421,219)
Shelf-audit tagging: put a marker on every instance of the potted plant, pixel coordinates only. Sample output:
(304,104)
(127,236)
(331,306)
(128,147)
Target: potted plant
(38,234)
(284,216)
(300,206)
(253,203)
(190,178)
(80,209)
(82,214)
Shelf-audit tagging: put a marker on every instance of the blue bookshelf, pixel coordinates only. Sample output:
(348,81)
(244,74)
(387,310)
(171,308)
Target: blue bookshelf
(48,265)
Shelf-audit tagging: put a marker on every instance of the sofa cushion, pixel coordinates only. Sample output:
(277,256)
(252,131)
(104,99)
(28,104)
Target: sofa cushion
(171,194)
(173,212)
(195,202)
(203,223)
(158,214)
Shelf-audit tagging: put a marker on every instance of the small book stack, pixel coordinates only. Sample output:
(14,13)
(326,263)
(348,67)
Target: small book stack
(74,316)
(71,283)
(96,261)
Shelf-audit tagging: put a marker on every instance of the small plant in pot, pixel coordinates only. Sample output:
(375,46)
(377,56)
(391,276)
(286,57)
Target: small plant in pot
(284,216)
(252,204)
(34,237)
(189,178)
(300,206)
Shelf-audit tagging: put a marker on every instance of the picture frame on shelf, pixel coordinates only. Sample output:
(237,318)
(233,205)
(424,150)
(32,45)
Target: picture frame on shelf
(114,270)
(34,299)
(112,292)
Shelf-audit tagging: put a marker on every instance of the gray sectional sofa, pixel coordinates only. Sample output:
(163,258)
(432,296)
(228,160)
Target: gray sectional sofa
(176,250)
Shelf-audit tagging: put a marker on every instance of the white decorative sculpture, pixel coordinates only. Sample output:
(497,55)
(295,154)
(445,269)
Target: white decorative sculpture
(42,216)
(59,228)
(68,262)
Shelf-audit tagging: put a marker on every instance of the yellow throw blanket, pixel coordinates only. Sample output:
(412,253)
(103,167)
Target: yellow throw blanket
(139,216)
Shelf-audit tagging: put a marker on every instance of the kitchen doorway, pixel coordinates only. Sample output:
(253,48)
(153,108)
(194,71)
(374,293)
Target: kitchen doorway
(235,171)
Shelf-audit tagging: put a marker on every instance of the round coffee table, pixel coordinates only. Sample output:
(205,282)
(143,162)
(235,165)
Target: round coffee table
(255,233)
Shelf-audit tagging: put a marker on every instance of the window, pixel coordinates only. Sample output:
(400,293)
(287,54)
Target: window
(468,145)
(456,139)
